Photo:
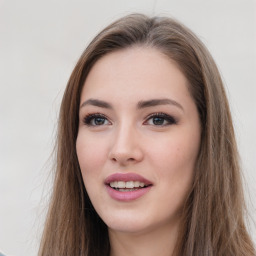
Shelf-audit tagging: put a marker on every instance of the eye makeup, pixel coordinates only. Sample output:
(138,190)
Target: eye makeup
(160,119)
(96,119)
(154,119)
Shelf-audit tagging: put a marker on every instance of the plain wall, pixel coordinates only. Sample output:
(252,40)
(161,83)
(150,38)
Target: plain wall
(40,42)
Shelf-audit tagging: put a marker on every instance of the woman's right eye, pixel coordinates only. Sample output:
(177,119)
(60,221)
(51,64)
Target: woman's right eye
(96,120)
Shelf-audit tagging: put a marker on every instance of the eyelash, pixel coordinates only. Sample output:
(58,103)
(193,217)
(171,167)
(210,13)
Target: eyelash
(90,117)
(169,119)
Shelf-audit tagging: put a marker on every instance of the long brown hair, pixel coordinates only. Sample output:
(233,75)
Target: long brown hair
(213,214)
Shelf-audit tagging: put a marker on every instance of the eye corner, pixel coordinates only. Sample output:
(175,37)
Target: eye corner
(160,119)
(96,120)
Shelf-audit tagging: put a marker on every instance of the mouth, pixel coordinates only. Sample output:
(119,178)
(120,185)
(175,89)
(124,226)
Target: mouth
(127,186)
(123,186)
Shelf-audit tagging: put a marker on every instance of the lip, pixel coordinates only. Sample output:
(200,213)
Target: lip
(129,195)
(126,177)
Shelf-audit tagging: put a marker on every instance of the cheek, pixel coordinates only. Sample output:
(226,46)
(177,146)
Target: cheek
(91,159)
(175,172)
(91,156)
(176,152)
(174,159)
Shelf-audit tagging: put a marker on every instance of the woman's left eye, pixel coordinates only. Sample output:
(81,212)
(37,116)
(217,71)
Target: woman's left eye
(160,119)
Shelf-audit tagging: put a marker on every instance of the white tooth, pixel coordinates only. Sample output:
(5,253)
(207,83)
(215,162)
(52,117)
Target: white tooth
(125,189)
(129,184)
(112,184)
(142,184)
(136,184)
(121,184)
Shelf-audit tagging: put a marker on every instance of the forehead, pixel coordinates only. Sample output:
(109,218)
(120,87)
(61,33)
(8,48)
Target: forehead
(134,72)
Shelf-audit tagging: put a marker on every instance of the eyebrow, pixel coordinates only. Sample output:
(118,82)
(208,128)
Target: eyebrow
(97,103)
(140,105)
(156,102)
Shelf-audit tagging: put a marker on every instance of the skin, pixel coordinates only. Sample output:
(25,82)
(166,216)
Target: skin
(129,139)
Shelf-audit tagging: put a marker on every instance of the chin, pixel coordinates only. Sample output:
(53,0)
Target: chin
(125,222)
(127,227)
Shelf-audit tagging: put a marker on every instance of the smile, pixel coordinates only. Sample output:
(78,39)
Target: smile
(127,186)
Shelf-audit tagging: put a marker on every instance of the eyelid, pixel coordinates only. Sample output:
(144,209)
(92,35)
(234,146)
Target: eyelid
(87,119)
(169,118)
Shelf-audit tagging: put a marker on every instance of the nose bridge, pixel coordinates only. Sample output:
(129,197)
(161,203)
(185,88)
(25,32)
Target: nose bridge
(126,145)
(123,138)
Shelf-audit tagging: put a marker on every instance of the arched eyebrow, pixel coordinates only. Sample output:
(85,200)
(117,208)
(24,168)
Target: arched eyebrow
(97,103)
(140,105)
(156,102)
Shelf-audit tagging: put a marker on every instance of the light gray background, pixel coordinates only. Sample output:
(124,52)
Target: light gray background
(40,42)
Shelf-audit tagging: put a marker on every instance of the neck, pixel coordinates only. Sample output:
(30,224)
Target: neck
(154,242)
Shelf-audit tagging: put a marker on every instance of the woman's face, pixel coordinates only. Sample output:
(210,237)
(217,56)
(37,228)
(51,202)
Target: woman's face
(138,139)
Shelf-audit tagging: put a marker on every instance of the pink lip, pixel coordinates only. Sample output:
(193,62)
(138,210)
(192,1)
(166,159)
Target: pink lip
(127,177)
(129,195)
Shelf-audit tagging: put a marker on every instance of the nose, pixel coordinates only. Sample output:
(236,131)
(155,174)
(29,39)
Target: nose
(126,148)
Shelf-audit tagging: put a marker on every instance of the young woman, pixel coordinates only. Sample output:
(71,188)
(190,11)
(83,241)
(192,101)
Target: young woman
(147,162)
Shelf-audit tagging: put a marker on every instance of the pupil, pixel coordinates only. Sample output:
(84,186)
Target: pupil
(99,120)
(158,120)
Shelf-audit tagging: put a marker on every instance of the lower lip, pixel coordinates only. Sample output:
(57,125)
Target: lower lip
(127,196)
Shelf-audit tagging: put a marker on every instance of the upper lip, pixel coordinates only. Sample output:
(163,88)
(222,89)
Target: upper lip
(127,177)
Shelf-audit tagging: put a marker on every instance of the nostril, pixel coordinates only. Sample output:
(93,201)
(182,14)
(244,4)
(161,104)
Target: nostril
(125,157)
(114,159)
